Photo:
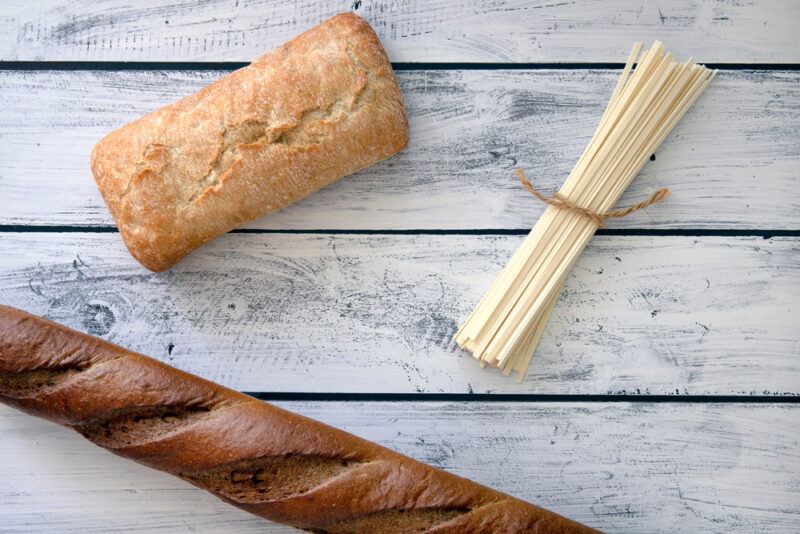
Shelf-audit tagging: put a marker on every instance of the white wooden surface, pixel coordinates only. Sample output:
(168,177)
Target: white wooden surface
(732,162)
(712,314)
(412,31)
(619,467)
(376,313)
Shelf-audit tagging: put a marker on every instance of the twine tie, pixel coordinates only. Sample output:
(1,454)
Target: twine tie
(561,202)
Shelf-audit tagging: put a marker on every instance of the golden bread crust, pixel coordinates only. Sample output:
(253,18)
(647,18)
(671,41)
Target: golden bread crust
(320,107)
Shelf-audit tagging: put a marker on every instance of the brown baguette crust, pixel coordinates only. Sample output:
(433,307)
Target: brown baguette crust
(263,459)
(320,107)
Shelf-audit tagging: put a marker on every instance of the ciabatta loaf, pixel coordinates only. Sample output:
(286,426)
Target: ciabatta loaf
(320,107)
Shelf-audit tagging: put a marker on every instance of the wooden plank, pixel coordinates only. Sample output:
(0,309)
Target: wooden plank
(376,313)
(618,467)
(412,31)
(732,163)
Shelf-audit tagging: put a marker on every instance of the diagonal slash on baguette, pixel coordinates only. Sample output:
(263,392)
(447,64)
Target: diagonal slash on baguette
(271,462)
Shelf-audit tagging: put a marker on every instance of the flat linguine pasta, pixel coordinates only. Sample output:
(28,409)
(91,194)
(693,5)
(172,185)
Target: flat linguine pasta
(506,325)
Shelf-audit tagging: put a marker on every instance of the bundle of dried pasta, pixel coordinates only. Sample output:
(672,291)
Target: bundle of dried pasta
(507,324)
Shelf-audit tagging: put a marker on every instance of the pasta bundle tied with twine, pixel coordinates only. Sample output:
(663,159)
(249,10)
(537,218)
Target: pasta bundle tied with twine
(506,325)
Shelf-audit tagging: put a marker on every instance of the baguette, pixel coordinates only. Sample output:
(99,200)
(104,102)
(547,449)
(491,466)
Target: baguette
(320,107)
(265,460)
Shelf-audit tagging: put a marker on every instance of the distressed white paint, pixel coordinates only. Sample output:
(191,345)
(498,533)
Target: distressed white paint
(674,315)
(733,162)
(412,31)
(376,313)
(619,467)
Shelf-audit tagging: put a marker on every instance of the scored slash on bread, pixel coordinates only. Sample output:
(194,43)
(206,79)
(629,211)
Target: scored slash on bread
(263,459)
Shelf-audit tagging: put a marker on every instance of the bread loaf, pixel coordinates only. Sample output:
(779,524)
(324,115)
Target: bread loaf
(322,106)
(268,461)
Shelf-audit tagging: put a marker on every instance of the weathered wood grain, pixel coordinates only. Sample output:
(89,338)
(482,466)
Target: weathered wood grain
(376,313)
(412,31)
(733,162)
(619,467)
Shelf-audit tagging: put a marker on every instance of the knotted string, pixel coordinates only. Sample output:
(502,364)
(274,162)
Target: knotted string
(560,201)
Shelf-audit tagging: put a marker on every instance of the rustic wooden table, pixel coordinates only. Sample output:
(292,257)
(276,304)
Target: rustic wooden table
(664,395)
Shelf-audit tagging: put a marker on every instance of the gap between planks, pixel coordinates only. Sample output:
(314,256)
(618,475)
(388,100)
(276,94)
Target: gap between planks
(653,232)
(783,398)
(233,65)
